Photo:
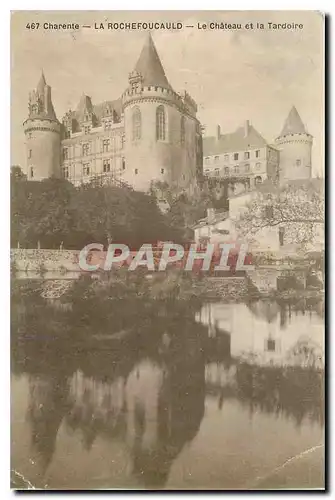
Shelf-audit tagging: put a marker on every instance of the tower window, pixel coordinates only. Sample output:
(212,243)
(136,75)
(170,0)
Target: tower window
(105,145)
(160,124)
(246,155)
(258,153)
(137,124)
(86,149)
(162,170)
(106,166)
(34,108)
(182,130)
(270,345)
(30,153)
(31,172)
(66,172)
(86,169)
(298,163)
(30,135)
(235,156)
(123,164)
(65,154)
(136,171)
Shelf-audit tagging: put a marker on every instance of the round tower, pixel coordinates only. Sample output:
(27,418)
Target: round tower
(295,146)
(161,127)
(42,131)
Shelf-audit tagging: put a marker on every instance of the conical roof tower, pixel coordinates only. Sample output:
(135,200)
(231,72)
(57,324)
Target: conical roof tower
(293,124)
(149,66)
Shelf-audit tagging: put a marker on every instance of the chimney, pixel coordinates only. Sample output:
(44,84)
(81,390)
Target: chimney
(210,215)
(218,132)
(246,128)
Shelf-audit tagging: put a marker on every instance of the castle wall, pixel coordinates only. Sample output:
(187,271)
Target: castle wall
(42,149)
(295,156)
(149,159)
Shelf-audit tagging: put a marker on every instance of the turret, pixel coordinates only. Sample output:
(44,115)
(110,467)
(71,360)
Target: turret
(295,146)
(160,127)
(42,131)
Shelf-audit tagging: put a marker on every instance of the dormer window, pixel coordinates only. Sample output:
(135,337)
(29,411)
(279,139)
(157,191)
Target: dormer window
(87,129)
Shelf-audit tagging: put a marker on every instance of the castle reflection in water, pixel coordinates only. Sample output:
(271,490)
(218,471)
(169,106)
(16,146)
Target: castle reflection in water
(142,407)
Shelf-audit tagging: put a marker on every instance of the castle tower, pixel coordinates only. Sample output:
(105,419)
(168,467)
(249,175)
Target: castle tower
(162,133)
(42,131)
(295,146)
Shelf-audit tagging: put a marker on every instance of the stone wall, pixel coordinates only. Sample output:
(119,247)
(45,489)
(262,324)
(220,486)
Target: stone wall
(227,288)
(45,260)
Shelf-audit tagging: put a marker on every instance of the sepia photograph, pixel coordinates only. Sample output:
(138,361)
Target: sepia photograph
(167,250)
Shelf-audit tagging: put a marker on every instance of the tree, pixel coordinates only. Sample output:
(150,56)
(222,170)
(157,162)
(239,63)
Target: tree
(297,208)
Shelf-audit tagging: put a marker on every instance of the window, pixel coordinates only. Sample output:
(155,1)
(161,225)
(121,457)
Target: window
(236,169)
(86,149)
(108,125)
(216,159)
(30,154)
(235,156)
(30,135)
(207,170)
(184,177)
(137,123)
(87,129)
(258,153)
(298,163)
(66,172)
(123,139)
(123,164)
(34,108)
(162,170)
(207,159)
(105,145)
(246,155)
(136,171)
(258,180)
(106,166)
(226,170)
(247,167)
(65,154)
(258,166)
(182,130)
(226,158)
(31,172)
(281,236)
(86,169)
(160,123)
(270,345)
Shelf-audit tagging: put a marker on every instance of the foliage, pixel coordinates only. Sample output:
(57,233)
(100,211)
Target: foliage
(297,207)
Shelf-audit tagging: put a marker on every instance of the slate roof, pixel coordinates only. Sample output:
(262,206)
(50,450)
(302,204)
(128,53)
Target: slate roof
(293,124)
(150,67)
(235,141)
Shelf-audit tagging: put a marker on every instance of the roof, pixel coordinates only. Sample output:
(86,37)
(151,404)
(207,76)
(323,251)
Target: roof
(150,66)
(293,124)
(41,84)
(235,141)
(99,110)
(218,217)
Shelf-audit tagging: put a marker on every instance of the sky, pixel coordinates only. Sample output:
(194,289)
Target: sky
(249,74)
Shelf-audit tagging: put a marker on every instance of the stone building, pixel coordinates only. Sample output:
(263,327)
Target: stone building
(149,134)
(246,156)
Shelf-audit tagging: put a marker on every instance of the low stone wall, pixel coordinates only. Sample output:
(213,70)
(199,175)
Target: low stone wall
(227,288)
(44,260)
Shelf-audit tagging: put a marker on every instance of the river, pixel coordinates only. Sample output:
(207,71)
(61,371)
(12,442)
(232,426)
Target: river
(230,400)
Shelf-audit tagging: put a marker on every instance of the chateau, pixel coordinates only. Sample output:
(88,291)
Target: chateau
(150,133)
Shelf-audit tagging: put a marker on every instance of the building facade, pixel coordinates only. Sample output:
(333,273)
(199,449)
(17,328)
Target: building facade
(245,157)
(149,134)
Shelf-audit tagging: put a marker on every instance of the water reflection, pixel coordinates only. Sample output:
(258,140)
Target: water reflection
(148,396)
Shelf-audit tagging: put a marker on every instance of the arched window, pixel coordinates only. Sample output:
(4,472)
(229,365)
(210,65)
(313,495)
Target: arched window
(182,130)
(160,123)
(136,124)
